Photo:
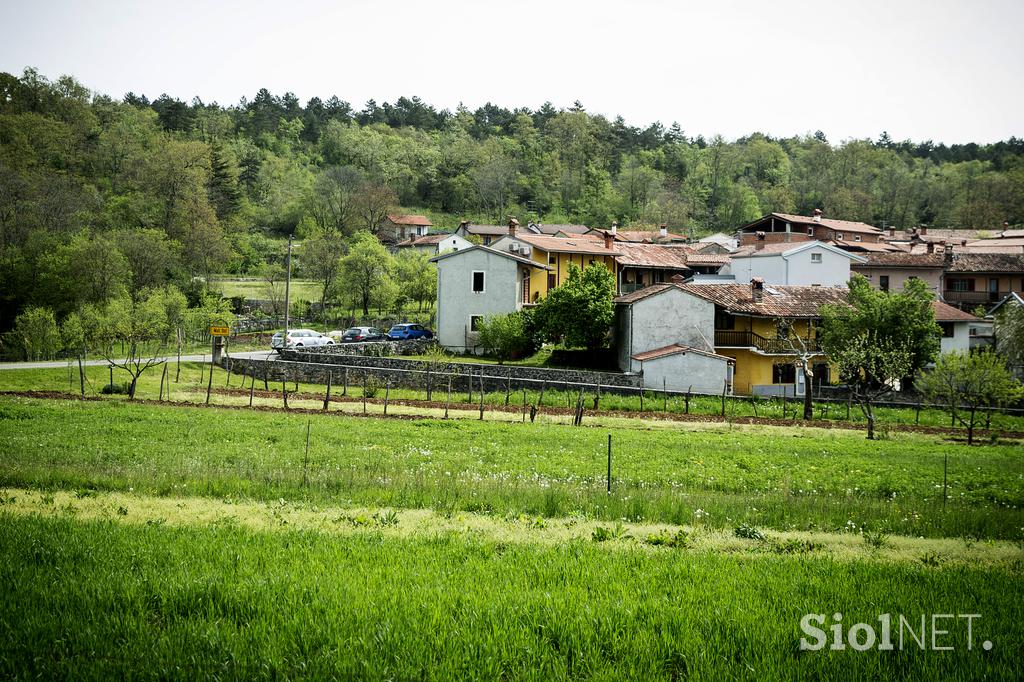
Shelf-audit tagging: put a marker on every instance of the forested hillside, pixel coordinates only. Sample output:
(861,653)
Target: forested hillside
(99,194)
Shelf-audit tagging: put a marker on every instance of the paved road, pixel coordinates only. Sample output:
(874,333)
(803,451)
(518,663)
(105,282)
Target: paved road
(257,354)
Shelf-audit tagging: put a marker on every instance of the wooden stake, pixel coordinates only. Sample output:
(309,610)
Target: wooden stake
(364,392)
(508,388)
(163,375)
(481,395)
(524,405)
(448,400)
(428,384)
(305,459)
(209,383)
(725,387)
(664,395)
(387,395)
(284,391)
(344,385)
(252,385)
(688,399)
(327,396)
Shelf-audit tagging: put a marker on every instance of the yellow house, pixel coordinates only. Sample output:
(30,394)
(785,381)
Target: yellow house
(558,253)
(765,329)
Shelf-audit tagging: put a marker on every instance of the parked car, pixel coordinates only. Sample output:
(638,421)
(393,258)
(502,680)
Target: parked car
(409,331)
(300,338)
(358,334)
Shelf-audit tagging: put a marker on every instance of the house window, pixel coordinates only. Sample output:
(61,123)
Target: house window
(551,259)
(815,257)
(810,231)
(839,236)
(883,282)
(487,241)
(856,237)
(947,329)
(474,322)
(478,281)
(784,374)
(552,281)
(821,373)
(960,285)
(724,320)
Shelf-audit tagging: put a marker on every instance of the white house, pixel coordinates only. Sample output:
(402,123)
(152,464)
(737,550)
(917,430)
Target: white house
(477,282)
(806,263)
(668,335)
(958,327)
(433,244)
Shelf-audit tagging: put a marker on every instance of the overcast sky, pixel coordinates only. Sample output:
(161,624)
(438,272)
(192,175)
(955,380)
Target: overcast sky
(922,69)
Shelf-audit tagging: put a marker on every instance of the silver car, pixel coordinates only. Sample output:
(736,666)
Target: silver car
(300,338)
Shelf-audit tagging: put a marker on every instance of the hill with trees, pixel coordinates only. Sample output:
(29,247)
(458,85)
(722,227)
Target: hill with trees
(100,195)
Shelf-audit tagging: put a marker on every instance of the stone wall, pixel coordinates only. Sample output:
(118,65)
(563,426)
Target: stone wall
(313,367)
(371,348)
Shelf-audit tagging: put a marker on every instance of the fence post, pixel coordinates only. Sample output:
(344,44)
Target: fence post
(688,398)
(327,396)
(284,390)
(524,405)
(597,397)
(481,393)
(163,375)
(364,392)
(725,387)
(448,400)
(428,384)
(252,385)
(641,392)
(609,464)
(387,395)
(469,395)
(209,383)
(664,395)
(344,385)
(508,386)
(227,379)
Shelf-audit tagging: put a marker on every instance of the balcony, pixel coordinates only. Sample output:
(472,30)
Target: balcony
(774,346)
(953,297)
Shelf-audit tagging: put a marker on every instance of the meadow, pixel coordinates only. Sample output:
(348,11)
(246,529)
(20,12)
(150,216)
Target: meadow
(176,540)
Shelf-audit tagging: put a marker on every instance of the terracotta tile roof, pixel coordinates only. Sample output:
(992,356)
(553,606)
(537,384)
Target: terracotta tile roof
(566,244)
(425,240)
(649,236)
(831,223)
(496,252)
(675,349)
(651,256)
(987,262)
(947,313)
(487,229)
(708,259)
(903,259)
(410,220)
(1011,234)
(641,294)
(544,228)
(1014,243)
(778,300)
(873,247)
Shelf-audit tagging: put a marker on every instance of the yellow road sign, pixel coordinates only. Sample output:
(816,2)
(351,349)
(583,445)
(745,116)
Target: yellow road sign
(220,331)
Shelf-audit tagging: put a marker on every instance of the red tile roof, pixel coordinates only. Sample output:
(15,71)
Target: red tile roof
(425,240)
(652,256)
(987,262)
(777,301)
(675,349)
(650,236)
(544,228)
(831,223)
(903,259)
(410,220)
(947,313)
(566,244)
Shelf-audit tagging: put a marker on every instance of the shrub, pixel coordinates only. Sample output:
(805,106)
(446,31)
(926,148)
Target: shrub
(748,532)
(508,336)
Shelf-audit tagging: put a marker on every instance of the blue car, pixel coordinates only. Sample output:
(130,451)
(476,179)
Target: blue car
(409,331)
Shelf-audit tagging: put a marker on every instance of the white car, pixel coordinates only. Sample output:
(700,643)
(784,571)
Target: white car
(300,338)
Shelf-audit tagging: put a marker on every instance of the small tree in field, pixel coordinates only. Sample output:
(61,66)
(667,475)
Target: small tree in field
(36,334)
(580,311)
(966,383)
(871,367)
(143,325)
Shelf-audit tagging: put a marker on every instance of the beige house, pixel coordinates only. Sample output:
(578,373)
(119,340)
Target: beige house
(891,271)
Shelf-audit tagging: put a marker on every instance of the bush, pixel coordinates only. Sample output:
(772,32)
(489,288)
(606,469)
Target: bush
(748,532)
(508,336)
(115,389)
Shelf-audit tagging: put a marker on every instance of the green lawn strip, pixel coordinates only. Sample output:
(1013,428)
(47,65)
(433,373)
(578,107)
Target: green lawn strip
(101,599)
(719,475)
(194,378)
(279,515)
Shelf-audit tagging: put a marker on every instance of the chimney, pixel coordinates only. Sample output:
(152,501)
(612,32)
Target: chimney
(609,238)
(817,215)
(931,247)
(759,243)
(677,279)
(512,225)
(923,230)
(663,230)
(757,289)
(948,254)
(615,228)
(892,232)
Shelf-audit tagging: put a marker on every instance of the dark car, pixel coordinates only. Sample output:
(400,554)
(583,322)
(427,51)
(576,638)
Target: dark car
(359,334)
(409,331)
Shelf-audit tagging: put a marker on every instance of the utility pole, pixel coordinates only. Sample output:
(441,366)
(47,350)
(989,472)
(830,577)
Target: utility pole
(287,287)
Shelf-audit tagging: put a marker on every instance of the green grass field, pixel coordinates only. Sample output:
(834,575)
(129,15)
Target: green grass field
(160,540)
(301,290)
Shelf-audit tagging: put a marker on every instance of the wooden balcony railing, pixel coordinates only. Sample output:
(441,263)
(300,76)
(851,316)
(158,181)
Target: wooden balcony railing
(740,339)
(951,296)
